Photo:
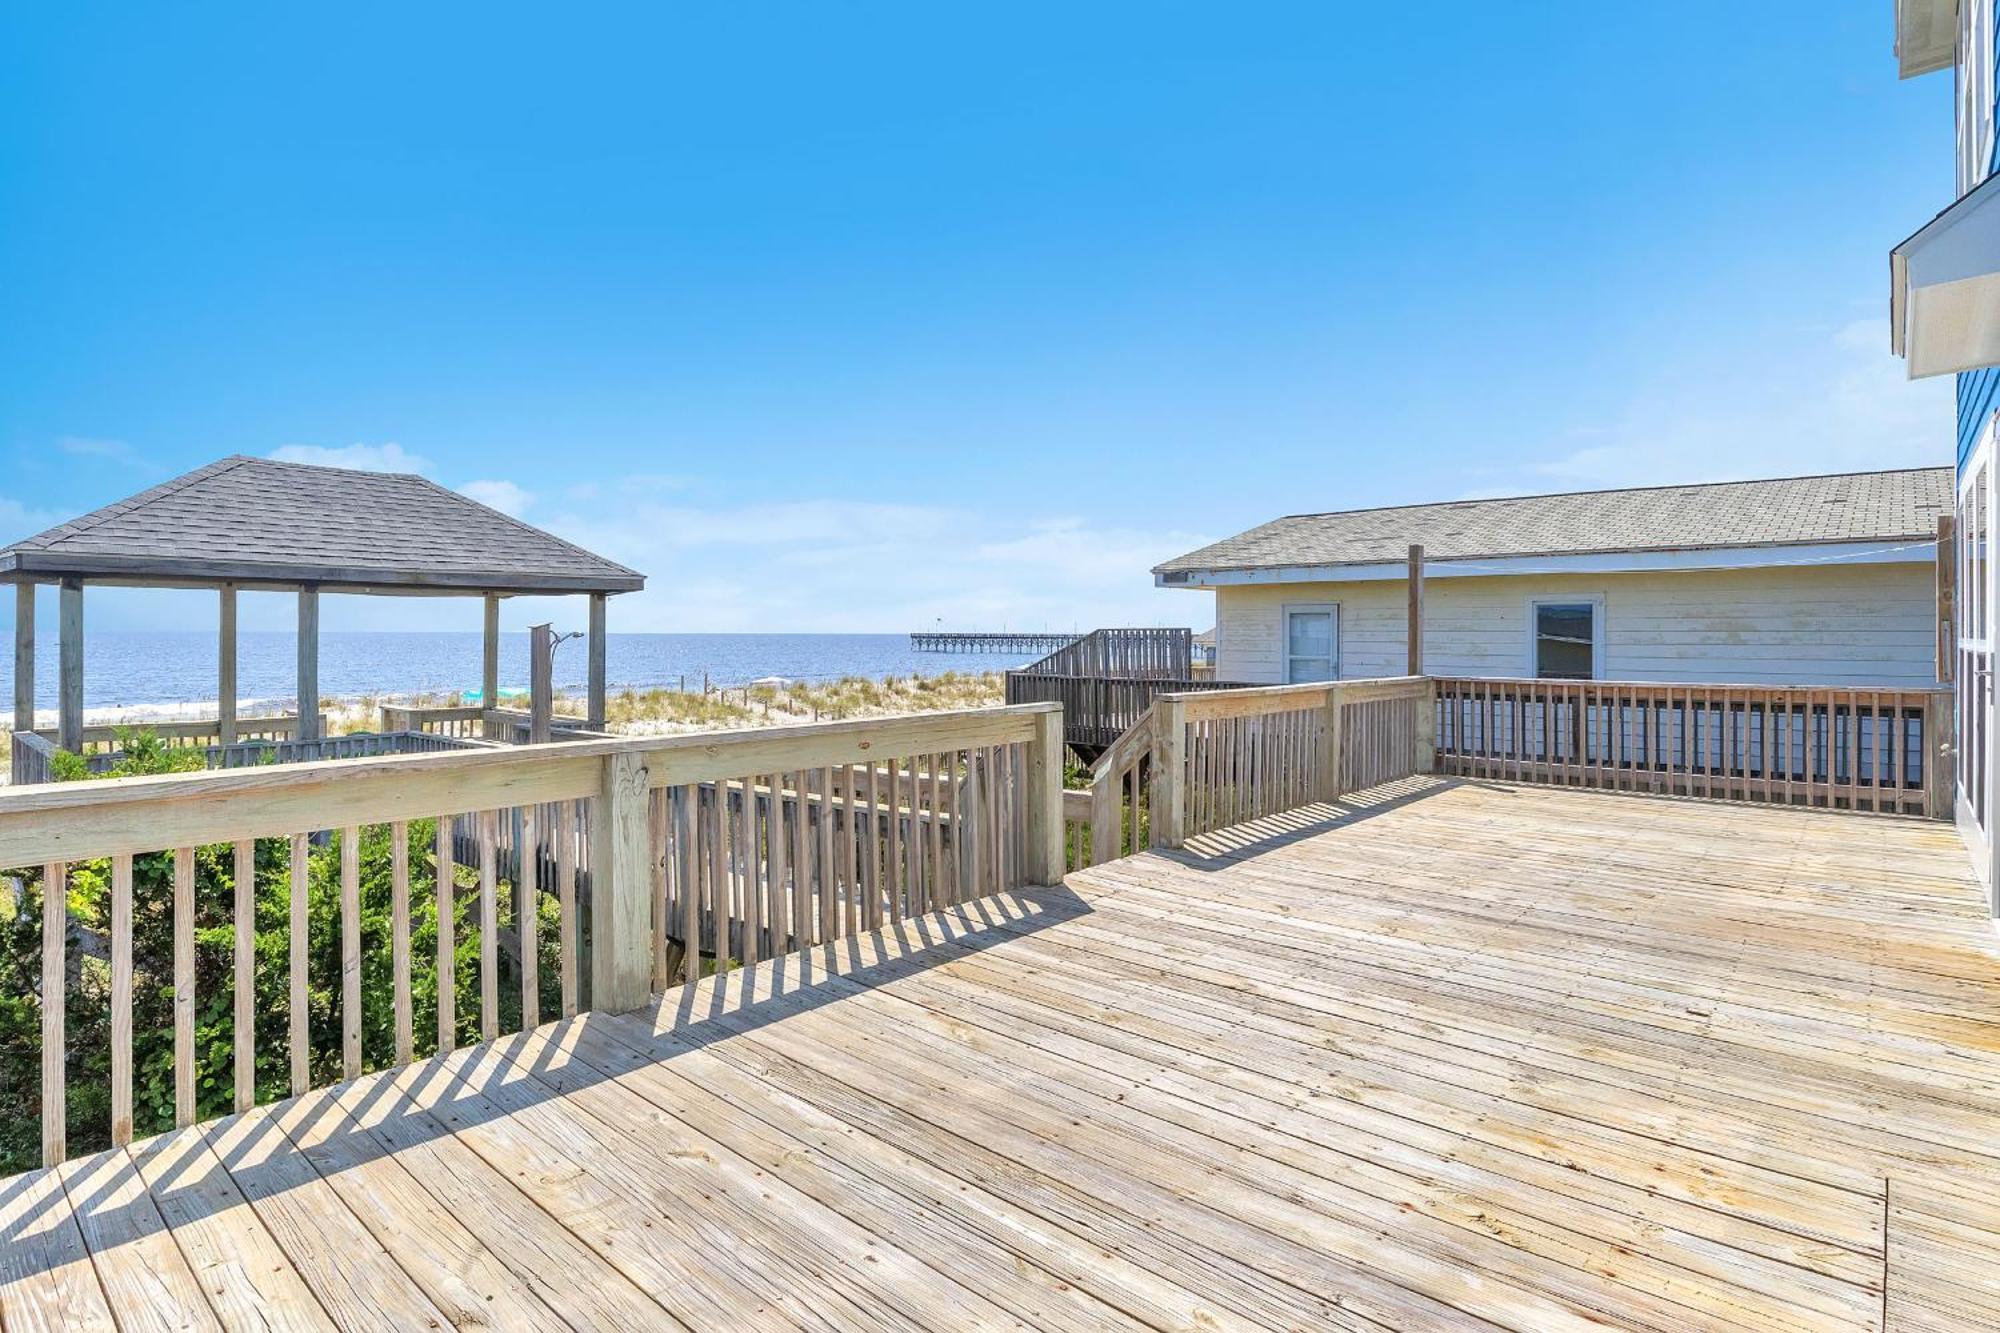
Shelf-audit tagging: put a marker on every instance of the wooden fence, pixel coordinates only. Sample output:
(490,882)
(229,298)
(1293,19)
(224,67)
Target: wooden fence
(702,851)
(1865,750)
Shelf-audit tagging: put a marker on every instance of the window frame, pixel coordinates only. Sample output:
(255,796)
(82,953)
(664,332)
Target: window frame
(1285,613)
(1595,601)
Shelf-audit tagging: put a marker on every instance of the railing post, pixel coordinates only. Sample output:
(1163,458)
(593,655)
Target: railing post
(1939,761)
(1427,722)
(1330,745)
(1169,760)
(621,915)
(1044,799)
(1106,819)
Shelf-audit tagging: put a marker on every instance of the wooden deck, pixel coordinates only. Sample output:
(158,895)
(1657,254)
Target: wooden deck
(1457,1056)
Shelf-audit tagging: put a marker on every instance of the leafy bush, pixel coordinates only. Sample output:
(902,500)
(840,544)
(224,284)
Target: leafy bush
(88,984)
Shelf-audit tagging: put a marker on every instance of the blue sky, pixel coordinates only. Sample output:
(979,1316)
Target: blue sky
(863,317)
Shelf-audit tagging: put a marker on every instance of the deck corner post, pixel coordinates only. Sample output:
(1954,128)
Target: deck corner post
(1416,614)
(1425,758)
(1328,756)
(621,912)
(1169,761)
(1044,798)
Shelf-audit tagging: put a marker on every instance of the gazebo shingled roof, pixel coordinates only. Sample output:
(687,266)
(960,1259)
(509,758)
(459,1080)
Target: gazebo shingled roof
(256,521)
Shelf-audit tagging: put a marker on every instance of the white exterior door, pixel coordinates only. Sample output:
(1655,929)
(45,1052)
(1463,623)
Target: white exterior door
(1977,511)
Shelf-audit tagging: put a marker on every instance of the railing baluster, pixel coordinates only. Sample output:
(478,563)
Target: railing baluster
(489,925)
(55,987)
(656,874)
(399,939)
(447,944)
(567,937)
(121,1000)
(244,917)
(350,952)
(184,1102)
(528,885)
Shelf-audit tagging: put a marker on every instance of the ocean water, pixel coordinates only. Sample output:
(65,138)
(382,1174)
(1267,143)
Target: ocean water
(134,669)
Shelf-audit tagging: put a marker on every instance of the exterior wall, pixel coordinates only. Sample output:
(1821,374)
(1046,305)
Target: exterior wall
(1817,625)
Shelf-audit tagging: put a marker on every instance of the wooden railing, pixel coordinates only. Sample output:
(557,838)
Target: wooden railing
(512,726)
(699,852)
(1202,761)
(466,721)
(1167,654)
(1120,796)
(34,754)
(1097,710)
(1248,754)
(272,727)
(1866,750)
(508,726)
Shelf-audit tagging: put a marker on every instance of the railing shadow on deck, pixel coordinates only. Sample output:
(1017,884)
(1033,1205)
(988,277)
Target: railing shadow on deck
(439,1097)
(1259,837)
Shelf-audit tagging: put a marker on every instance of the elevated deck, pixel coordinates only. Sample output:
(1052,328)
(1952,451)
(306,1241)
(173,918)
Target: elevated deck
(1453,1055)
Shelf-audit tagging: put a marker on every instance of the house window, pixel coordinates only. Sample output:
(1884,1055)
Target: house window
(1312,643)
(1566,640)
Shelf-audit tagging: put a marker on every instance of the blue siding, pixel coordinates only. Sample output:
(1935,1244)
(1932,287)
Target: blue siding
(1978,396)
(1979,390)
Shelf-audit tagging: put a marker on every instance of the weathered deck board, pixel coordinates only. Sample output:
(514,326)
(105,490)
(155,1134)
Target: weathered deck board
(1455,1055)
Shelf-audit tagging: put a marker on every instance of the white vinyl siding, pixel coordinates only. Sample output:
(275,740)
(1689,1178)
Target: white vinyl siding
(1818,625)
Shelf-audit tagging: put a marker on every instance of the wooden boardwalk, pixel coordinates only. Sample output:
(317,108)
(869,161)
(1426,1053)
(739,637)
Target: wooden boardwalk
(1455,1056)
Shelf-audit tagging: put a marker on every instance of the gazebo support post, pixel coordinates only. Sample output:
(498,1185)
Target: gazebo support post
(308,688)
(595,708)
(24,656)
(69,635)
(489,669)
(225,664)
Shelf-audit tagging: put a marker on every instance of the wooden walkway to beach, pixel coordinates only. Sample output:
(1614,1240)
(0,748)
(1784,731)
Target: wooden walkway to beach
(1455,1056)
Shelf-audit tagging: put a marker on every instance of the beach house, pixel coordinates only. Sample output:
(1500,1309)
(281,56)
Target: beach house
(1829,580)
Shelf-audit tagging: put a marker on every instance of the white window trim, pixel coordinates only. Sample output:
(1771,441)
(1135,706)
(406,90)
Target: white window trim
(1596,602)
(1285,636)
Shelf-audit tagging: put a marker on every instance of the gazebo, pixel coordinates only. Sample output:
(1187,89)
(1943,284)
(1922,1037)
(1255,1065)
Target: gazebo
(254,523)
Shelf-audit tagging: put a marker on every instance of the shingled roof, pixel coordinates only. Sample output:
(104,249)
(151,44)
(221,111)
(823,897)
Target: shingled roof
(1847,507)
(258,521)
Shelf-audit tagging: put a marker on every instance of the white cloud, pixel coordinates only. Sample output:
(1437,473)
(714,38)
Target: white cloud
(363,457)
(18,520)
(1834,402)
(504,496)
(841,565)
(117,451)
